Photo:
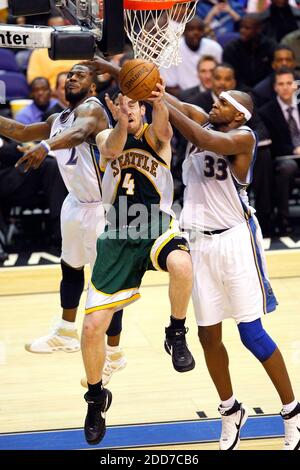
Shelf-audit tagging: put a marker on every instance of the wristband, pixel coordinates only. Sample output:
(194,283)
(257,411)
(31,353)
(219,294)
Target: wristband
(45,145)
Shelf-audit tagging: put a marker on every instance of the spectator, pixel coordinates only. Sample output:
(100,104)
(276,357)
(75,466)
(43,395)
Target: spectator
(206,66)
(251,54)
(60,95)
(264,90)
(292,40)
(192,46)
(282,118)
(221,15)
(18,188)
(280,19)
(42,101)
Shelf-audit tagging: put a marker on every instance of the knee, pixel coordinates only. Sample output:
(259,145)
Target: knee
(209,338)
(179,265)
(93,326)
(257,340)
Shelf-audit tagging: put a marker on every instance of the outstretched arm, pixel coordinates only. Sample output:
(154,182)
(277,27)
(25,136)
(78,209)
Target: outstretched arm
(90,119)
(225,143)
(111,143)
(24,133)
(160,128)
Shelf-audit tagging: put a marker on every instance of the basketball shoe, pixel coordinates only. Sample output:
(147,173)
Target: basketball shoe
(94,425)
(114,361)
(60,340)
(292,429)
(232,422)
(176,346)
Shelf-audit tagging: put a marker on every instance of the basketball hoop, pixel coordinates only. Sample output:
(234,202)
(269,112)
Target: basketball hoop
(155,27)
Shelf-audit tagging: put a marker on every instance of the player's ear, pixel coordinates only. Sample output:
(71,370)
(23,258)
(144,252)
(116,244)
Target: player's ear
(143,110)
(93,88)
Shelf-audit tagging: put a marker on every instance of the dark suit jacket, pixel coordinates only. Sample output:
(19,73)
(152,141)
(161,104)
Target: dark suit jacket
(189,94)
(203,99)
(278,128)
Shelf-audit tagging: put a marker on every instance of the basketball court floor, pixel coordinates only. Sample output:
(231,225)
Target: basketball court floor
(153,407)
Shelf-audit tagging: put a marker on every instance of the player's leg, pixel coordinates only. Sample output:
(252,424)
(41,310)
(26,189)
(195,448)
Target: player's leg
(211,308)
(64,336)
(170,252)
(250,297)
(93,350)
(115,358)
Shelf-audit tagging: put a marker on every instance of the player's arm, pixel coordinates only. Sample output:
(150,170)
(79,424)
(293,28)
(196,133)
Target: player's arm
(225,143)
(160,128)
(112,142)
(90,119)
(25,133)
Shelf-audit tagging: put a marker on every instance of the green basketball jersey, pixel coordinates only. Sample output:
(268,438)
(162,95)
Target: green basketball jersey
(139,176)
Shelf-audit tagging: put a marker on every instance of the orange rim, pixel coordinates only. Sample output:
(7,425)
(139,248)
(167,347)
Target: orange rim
(151,5)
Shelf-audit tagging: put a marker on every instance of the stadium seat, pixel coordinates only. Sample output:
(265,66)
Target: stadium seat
(16,86)
(8,61)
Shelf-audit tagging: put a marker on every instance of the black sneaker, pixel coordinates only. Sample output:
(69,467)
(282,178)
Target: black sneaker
(94,425)
(175,345)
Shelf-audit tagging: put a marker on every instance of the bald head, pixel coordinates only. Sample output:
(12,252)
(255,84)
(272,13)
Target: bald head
(243,98)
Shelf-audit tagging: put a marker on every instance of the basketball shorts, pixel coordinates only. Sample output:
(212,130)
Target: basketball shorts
(81,224)
(230,276)
(122,260)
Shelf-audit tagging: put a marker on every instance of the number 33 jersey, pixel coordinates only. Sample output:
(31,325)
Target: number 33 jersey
(79,166)
(213,198)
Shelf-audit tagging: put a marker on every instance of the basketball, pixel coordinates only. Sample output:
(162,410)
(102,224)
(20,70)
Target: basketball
(138,78)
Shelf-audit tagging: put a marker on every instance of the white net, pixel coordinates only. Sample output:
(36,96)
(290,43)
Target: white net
(155,34)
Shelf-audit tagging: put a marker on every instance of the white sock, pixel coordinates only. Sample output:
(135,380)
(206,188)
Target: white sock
(67,325)
(289,407)
(113,349)
(228,403)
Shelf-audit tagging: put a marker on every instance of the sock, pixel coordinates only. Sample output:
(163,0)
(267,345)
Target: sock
(95,389)
(67,325)
(176,323)
(112,349)
(289,407)
(228,403)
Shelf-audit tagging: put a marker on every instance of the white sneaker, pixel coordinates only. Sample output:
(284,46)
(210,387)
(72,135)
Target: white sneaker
(232,422)
(59,340)
(113,362)
(292,429)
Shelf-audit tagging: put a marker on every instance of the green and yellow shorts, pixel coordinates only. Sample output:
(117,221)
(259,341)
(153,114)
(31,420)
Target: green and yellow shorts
(123,257)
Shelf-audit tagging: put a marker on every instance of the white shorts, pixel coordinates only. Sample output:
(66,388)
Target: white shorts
(230,277)
(81,224)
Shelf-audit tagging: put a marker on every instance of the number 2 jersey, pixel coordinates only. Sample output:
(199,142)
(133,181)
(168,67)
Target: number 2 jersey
(213,198)
(79,166)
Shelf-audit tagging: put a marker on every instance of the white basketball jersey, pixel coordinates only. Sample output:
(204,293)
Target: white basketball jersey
(213,198)
(79,166)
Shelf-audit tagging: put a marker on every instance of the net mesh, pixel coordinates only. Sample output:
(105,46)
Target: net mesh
(155,34)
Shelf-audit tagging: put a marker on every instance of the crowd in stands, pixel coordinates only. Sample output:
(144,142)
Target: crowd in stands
(253,46)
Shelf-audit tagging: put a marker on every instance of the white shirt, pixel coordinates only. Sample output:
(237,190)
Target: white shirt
(284,108)
(185,74)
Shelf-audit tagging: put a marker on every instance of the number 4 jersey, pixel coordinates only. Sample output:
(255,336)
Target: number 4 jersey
(213,198)
(79,166)
(140,178)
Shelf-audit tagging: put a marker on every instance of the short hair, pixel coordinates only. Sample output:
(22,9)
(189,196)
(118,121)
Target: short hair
(37,79)
(207,57)
(225,66)
(284,71)
(282,47)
